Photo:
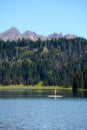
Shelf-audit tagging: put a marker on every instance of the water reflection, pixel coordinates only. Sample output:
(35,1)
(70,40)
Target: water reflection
(82,94)
(39,93)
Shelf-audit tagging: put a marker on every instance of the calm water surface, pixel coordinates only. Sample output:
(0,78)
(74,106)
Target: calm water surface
(43,114)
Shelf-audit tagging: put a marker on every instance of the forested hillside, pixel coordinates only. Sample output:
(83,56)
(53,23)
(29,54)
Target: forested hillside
(61,62)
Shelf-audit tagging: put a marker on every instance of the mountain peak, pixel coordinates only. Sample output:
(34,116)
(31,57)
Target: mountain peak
(69,36)
(55,35)
(11,34)
(13,29)
(30,35)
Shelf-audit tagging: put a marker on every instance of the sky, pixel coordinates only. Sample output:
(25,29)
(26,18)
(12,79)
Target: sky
(45,16)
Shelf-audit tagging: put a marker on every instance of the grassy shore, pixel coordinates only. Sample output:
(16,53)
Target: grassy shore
(27,87)
(24,87)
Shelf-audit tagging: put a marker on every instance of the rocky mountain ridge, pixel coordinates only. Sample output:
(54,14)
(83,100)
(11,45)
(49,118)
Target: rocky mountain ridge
(14,34)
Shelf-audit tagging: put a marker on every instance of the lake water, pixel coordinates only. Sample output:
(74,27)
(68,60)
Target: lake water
(43,113)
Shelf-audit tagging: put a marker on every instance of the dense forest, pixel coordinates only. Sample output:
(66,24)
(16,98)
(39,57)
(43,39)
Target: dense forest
(61,62)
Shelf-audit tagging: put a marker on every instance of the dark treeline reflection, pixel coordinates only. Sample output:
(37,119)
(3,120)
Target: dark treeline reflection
(39,93)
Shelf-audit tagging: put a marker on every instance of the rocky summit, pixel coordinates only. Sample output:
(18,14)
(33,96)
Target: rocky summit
(14,34)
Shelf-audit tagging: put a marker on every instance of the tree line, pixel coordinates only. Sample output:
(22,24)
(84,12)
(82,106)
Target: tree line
(61,62)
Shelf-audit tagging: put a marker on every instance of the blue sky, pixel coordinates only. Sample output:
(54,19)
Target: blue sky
(45,16)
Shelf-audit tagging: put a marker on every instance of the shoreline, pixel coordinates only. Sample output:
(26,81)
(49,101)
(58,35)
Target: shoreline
(27,87)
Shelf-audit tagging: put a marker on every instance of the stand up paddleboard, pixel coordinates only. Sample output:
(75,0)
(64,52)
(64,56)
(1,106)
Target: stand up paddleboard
(55,96)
